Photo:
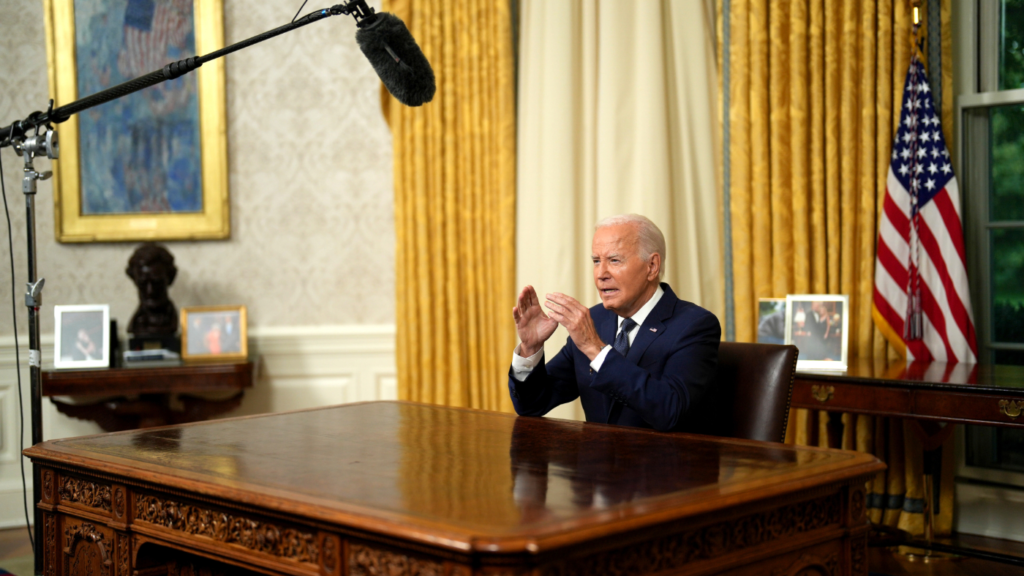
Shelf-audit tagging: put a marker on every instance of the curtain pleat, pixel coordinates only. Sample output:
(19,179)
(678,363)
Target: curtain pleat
(814,190)
(800,134)
(740,195)
(455,207)
(814,95)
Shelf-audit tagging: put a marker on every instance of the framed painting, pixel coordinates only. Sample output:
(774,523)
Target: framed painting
(151,165)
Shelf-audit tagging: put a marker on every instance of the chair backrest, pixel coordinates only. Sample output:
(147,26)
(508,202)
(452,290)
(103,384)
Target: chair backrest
(751,394)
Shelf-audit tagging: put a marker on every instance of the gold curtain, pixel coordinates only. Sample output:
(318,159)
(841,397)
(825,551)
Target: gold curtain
(814,101)
(454,172)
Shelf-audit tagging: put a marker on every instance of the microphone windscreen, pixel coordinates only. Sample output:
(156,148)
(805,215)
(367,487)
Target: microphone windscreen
(397,58)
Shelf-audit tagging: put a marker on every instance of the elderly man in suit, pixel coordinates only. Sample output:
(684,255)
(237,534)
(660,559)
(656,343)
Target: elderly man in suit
(642,357)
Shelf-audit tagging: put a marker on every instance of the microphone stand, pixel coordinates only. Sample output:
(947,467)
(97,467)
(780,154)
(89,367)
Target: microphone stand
(44,140)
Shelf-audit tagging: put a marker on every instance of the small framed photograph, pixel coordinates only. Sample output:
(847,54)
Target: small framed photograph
(818,324)
(82,336)
(771,320)
(214,333)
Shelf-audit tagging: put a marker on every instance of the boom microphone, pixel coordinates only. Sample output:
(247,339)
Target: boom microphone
(397,58)
(382,37)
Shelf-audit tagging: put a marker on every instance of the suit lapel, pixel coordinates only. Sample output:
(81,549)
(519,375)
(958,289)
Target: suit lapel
(607,326)
(653,326)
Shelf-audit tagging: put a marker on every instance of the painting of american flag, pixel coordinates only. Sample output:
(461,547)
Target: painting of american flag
(921,299)
(141,153)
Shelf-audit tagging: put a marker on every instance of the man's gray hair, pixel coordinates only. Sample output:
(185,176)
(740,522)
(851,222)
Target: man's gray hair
(649,237)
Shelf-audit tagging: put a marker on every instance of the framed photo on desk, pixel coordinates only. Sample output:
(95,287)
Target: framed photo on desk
(214,333)
(818,324)
(81,336)
(771,320)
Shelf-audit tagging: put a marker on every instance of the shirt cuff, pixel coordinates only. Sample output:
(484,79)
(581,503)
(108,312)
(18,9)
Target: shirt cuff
(599,359)
(521,367)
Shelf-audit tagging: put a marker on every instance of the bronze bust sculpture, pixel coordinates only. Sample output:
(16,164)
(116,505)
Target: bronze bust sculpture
(152,269)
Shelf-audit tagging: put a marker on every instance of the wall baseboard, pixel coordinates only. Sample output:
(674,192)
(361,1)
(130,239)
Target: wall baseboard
(300,367)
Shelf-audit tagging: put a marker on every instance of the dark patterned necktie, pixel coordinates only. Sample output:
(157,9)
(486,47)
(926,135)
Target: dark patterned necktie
(621,344)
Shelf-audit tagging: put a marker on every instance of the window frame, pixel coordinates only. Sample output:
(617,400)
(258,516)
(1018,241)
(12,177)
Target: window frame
(975,97)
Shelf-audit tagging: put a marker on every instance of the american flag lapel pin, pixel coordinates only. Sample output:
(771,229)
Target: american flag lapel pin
(654,329)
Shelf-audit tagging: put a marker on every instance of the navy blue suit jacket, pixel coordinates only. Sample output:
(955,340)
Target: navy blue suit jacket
(668,368)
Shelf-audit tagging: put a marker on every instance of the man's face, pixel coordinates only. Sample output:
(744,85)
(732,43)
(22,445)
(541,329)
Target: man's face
(624,281)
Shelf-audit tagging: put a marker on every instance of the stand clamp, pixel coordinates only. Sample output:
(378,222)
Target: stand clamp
(34,293)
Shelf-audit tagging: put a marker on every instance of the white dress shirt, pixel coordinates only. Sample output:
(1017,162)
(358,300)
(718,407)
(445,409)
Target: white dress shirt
(521,367)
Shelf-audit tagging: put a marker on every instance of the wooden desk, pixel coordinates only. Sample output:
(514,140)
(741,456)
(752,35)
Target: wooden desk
(141,397)
(964,393)
(983,394)
(401,488)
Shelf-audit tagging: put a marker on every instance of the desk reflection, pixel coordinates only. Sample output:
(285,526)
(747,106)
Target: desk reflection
(592,467)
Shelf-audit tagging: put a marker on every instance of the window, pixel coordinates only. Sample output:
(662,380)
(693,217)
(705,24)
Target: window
(1011,44)
(991,147)
(990,114)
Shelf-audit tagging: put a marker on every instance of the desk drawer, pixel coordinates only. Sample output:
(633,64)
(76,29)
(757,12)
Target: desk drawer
(977,408)
(850,397)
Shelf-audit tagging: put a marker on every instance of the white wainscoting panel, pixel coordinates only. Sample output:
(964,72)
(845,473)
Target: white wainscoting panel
(12,510)
(300,367)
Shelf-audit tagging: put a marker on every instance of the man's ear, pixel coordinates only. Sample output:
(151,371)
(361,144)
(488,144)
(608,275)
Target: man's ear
(654,267)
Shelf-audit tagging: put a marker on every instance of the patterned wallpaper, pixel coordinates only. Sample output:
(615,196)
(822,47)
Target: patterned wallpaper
(312,235)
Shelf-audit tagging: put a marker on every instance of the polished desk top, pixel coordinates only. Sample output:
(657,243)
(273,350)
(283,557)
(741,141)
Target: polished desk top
(959,377)
(463,479)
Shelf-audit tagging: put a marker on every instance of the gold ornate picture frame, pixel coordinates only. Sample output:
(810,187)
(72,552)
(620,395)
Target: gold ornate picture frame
(208,219)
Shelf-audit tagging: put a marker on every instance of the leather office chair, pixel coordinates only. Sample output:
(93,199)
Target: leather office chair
(751,394)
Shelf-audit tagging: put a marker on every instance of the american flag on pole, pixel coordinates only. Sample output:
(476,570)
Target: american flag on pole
(921,300)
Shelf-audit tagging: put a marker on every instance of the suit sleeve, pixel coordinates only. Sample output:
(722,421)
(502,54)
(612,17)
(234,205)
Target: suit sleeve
(688,372)
(548,386)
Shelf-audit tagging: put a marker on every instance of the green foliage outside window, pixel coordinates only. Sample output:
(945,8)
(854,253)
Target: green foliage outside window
(1006,198)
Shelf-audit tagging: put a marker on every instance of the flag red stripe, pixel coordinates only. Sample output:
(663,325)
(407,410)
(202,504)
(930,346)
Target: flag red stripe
(898,220)
(895,320)
(892,265)
(920,351)
(956,306)
(952,221)
(932,309)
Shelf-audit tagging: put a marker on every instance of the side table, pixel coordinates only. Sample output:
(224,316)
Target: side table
(130,398)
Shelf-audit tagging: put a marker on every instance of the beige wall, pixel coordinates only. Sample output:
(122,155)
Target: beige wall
(312,238)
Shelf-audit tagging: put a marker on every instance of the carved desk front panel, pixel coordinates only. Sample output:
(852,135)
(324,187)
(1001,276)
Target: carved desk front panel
(428,490)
